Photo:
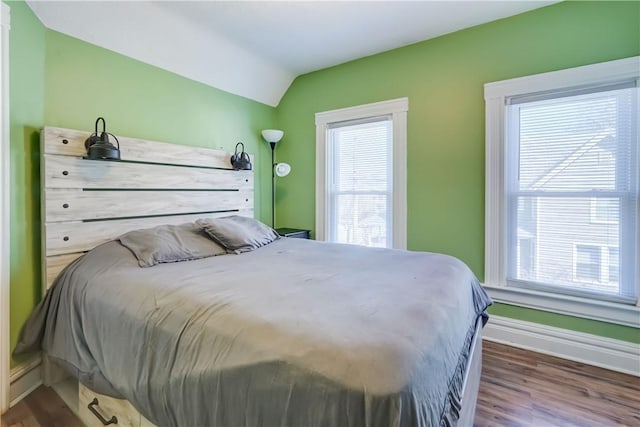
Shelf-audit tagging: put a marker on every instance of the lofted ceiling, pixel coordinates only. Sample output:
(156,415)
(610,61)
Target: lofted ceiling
(256,48)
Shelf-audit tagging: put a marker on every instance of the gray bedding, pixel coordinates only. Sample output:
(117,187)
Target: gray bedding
(296,333)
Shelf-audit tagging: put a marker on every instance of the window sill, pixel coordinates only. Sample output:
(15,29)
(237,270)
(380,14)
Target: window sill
(621,314)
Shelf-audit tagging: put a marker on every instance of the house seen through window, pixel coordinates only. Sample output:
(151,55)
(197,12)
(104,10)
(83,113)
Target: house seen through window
(571,198)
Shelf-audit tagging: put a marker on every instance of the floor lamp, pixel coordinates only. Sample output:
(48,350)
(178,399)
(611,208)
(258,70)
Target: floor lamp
(273,136)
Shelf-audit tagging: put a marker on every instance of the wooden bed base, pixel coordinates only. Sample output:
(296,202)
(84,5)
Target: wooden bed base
(471,383)
(88,202)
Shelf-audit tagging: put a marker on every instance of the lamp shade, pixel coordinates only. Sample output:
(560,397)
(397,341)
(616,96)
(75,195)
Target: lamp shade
(102,149)
(98,145)
(282,169)
(272,135)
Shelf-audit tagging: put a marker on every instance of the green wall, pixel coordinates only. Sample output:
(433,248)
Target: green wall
(443,79)
(57,80)
(26,91)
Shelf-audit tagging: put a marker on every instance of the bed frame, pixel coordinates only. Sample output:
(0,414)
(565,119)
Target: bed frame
(88,202)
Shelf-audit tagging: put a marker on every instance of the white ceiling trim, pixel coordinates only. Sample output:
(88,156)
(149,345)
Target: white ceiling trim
(152,34)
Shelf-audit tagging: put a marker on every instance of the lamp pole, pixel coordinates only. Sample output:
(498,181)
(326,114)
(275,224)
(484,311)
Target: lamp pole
(273,184)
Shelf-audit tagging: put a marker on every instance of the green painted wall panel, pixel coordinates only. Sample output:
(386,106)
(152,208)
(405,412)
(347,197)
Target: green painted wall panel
(26,91)
(443,79)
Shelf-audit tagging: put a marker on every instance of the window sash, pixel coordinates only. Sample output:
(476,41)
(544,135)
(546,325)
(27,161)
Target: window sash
(625,192)
(397,110)
(334,192)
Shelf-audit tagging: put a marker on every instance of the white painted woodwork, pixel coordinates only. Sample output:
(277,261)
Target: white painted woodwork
(125,413)
(608,353)
(78,236)
(133,149)
(75,172)
(93,205)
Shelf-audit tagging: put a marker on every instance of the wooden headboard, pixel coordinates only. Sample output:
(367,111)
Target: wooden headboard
(88,202)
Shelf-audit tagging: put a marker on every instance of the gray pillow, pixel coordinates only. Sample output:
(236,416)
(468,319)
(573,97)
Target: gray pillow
(170,243)
(238,233)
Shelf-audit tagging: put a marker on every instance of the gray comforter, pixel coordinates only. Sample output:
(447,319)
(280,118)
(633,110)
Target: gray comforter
(297,333)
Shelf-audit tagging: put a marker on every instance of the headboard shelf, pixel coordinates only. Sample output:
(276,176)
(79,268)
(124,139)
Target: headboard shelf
(134,149)
(88,202)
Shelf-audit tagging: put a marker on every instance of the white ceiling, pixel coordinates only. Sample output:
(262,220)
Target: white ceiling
(256,48)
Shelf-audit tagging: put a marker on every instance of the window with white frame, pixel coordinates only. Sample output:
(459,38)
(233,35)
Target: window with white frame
(562,183)
(360,184)
(361,175)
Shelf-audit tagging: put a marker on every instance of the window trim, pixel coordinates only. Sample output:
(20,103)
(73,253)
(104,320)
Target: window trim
(397,109)
(495,94)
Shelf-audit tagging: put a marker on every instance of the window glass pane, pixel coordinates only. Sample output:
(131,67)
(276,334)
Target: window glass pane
(550,228)
(614,265)
(360,193)
(587,263)
(362,155)
(361,220)
(575,143)
(571,191)
(604,209)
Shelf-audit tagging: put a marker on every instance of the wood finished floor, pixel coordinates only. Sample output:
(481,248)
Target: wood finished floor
(518,388)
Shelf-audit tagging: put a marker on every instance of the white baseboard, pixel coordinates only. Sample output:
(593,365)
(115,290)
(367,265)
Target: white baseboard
(23,379)
(616,355)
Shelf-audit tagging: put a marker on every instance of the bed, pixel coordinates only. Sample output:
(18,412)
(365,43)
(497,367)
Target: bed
(295,332)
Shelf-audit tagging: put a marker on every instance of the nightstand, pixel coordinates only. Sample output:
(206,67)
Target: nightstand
(294,232)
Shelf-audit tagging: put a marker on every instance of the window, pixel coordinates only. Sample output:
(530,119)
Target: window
(360,188)
(562,189)
(361,175)
(569,155)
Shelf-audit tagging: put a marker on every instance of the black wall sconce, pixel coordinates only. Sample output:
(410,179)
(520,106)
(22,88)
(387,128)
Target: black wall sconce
(240,160)
(98,145)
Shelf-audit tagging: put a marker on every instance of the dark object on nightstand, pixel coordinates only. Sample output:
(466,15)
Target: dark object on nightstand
(294,232)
